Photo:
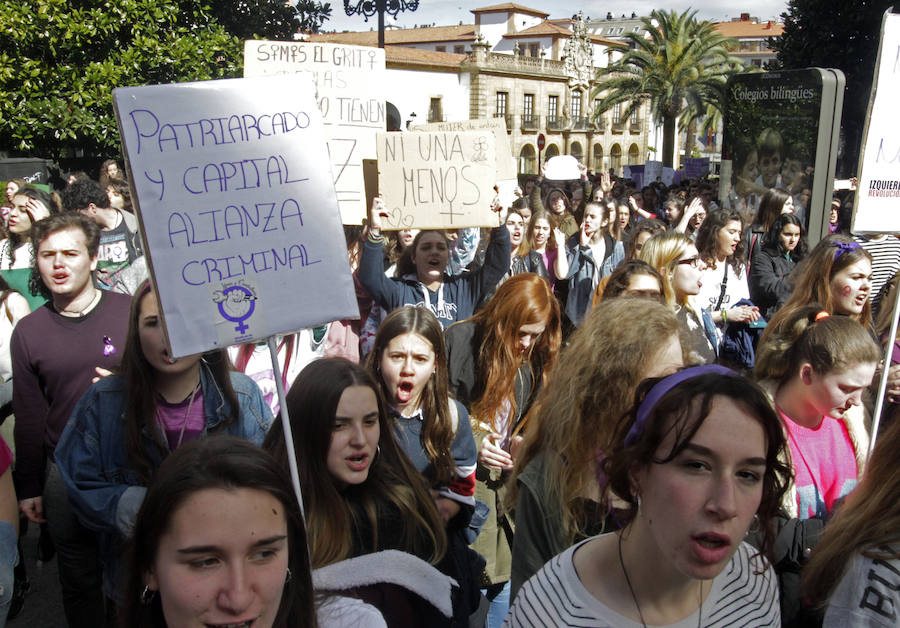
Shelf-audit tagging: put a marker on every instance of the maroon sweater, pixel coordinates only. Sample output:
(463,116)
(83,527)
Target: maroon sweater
(53,360)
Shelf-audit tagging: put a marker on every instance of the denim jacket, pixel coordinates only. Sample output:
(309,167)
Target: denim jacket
(104,490)
(581,273)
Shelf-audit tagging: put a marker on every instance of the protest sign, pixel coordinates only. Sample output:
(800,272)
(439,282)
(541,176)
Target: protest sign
(879,181)
(653,170)
(239,218)
(437,180)
(350,93)
(695,167)
(506,163)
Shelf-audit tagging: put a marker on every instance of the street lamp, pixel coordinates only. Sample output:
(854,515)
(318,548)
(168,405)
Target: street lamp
(368,8)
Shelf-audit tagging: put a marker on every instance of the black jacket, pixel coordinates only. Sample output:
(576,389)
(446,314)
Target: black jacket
(769,288)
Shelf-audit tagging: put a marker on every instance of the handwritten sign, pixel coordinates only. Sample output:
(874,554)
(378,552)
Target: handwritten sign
(238,212)
(437,180)
(350,93)
(878,190)
(506,163)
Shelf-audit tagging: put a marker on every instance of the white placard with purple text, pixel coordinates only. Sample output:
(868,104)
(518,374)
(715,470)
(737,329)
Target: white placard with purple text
(237,207)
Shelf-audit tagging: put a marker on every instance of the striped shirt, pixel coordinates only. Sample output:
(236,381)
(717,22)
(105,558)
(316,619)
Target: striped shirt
(739,598)
(885,254)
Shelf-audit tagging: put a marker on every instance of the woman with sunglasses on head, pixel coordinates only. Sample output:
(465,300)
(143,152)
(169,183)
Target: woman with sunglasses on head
(676,259)
(219,541)
(126,424)
(693,466)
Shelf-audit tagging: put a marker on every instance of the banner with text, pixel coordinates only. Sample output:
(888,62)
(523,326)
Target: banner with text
(506,163)
(238,212)
(350,92)
(878,191)
(437,180)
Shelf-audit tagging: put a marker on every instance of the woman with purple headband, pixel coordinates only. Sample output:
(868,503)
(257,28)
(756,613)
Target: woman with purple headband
(694,467)
(837,273)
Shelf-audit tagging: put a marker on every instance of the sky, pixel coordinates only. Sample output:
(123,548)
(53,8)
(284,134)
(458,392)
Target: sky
(449,12)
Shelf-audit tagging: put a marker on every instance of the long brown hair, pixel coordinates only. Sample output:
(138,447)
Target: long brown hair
(708,237)
(523,299)
(437,428)
(393,486)
(591,388)
(866,523)
(833,343)
(141,397)
(812,280)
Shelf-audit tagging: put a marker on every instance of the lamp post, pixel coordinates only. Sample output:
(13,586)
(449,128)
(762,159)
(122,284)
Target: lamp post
(368,8)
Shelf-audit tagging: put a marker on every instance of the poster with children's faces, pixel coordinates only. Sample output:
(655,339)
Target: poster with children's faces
(771,134)
(238,210)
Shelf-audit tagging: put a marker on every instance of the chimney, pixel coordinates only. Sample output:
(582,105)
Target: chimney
(745,17)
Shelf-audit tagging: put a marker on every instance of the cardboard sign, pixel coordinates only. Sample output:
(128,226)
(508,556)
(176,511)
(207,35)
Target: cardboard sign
(506,162)
(350,92)
(239,218)
(878,190)
(438,180)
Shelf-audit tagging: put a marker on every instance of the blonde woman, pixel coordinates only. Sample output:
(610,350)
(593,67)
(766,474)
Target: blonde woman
(676,259)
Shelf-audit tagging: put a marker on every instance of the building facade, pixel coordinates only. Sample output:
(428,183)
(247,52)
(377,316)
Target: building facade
(513,63)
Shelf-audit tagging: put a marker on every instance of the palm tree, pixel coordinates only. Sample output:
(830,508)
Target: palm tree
(680,66)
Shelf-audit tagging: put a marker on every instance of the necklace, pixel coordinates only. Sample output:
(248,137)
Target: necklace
(87,308)
(634,597)
(184,422)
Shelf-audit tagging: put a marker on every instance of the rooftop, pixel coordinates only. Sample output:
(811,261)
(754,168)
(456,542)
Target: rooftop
(400,36)
(512,7)
(745,28)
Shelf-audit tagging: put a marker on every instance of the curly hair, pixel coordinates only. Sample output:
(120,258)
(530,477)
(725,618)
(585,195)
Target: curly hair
(592,386)
(707,239)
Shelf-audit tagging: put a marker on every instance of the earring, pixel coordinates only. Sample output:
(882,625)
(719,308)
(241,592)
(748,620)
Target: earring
(754,525)
(638,499)
(289,575)
(147,595)
(377,451)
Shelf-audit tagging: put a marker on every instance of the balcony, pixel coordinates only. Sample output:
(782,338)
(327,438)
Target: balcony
(555,123)
(600,125)
(618,127)
(635,127)
(530,122)
(581,124)
(507,118)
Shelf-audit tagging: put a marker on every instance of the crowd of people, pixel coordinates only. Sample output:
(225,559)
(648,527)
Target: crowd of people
(620,406)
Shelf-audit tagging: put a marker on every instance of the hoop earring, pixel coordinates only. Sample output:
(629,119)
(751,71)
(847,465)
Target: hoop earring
(147,595)
(289,575)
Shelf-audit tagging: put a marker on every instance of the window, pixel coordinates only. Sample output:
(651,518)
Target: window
(596,105)
(634,116)
(501,104)
(460,50)
(635,29)
(619,32)
(611,31)
(528,108)
(440,48)
(552,108)
(576,104)
(534,50)
(435,110)
(617,113)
